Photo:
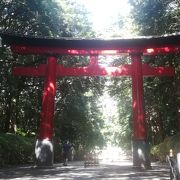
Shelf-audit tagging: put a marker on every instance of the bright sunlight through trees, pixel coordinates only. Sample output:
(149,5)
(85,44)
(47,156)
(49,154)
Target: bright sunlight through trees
(104,13)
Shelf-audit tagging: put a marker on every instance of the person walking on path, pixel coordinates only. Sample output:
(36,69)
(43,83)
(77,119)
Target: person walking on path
(66,151)
(174,171)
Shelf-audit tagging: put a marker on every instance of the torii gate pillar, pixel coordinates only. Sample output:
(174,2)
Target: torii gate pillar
(44,145)
(139,139)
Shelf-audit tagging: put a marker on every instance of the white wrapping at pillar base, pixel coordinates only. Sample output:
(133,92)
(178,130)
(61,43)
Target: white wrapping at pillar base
(141,154)
(44,152)
(178,162)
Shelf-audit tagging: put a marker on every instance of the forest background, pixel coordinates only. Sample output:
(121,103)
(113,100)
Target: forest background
(81,115)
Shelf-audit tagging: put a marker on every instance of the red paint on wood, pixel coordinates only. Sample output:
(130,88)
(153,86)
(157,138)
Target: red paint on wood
(47,114)
(20,49)
(139,130)
(94,70)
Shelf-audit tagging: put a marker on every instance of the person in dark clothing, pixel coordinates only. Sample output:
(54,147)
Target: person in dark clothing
(174,173)
(66,150)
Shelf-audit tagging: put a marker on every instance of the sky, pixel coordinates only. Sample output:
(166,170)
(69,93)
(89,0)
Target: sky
(104,12)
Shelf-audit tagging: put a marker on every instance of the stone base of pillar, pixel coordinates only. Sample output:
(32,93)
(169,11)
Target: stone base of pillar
(141,154)
(44,153)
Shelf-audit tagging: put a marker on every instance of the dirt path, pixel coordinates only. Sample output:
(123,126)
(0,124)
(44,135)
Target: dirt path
(75,171)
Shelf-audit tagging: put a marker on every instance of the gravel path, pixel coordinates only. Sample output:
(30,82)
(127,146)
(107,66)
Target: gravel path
(75,171)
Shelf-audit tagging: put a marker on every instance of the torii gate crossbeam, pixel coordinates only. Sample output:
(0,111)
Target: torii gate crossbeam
(134,47)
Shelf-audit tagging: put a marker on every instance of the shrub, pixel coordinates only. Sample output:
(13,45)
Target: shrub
(161,150)
(16,149)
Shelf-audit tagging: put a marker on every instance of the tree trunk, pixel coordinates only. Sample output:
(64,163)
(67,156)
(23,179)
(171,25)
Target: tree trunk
(178,119)
(161,128)
(8,111)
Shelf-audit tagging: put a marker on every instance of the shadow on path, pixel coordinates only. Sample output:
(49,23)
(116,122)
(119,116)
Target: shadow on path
(75,170)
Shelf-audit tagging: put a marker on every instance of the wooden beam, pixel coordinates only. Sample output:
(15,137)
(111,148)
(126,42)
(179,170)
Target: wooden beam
(94,70)
(167,40)
(22,49)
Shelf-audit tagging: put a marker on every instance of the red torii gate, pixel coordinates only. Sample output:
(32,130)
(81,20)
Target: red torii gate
(93,47)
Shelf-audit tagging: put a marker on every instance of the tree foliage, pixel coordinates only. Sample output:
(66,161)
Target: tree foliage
(78,113)
(76,116)
(161,94)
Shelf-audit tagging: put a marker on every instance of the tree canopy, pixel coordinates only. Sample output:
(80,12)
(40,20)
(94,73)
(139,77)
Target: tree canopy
(79,115)
(162,95)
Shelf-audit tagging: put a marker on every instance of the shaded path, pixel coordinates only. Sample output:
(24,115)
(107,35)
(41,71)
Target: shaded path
(75,170)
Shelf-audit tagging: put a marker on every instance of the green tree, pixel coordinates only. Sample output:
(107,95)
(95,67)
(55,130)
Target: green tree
(161,94)
(77,116)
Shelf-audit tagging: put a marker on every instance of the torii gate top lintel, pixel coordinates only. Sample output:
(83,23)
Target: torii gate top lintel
(43,45)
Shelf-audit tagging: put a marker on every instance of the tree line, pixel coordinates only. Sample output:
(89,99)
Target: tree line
(78,115)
